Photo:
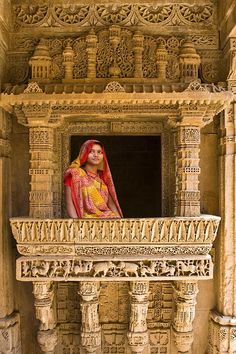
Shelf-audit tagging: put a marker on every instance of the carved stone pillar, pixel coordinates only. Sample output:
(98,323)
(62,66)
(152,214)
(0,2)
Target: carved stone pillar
(138,51)
(91,50)
(9,320)
(43,196)
(188,170)
(68,61)
(187,148)
(47,334)
(41,171)
(90,329)
(185,293)
(162,57)
(223,319)
(138,337)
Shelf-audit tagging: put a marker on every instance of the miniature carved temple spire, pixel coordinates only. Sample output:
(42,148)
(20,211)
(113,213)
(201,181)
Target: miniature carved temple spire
(138,39)
(189,62)
(47,334)
(91,50)
(68,60)
(161,57)
(138,338)
(41,63)
(90,329)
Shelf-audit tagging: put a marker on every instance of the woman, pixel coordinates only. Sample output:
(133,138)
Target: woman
(90,191)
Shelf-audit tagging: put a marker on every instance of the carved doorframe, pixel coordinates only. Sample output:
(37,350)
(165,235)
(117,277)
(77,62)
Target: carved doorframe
(117,126)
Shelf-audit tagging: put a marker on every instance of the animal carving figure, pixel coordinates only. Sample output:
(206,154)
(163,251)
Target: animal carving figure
(40,271)
(185,268)
(101,269)
(129,268)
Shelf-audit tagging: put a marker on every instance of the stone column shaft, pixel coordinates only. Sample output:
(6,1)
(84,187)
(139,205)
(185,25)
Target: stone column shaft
(47,334)
(222,319)
(138,337)
(185,293)
(188,170)
(90,329)
(41,171)
(91,50)
(9,320)
(138,54)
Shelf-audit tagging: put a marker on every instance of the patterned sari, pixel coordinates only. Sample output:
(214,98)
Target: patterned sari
(90,192)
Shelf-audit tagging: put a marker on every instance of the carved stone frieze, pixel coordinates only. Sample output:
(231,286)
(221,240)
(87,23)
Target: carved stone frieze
(135,250)
(181,14)
(74,269)
(126,231)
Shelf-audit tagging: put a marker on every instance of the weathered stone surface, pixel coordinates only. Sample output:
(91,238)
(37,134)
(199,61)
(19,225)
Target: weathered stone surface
(118,69)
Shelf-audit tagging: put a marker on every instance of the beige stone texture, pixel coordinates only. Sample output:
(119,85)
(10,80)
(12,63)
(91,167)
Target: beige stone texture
(157,82)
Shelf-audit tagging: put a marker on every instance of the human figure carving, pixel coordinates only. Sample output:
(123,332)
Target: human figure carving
(89,187)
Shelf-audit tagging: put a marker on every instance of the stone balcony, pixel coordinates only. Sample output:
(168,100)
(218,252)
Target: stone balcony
(173,248)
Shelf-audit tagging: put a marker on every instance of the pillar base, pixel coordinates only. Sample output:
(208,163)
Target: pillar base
(47,340)
(138,341)
(183,341)
(222,334)
(10,334)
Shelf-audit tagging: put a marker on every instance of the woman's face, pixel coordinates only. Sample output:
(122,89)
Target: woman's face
(95,156)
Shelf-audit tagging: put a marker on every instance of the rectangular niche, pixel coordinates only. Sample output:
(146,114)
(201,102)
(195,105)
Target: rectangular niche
(135,163)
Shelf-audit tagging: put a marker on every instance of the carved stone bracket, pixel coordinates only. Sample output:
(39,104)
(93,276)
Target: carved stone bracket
(90,329)
(47,334)
(185,294)
(137,335)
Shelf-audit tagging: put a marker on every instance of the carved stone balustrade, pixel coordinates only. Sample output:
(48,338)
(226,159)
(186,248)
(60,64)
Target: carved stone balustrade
(173,248)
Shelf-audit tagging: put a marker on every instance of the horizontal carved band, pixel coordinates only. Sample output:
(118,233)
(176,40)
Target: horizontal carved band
(118,251)
(168,230)
(76,269)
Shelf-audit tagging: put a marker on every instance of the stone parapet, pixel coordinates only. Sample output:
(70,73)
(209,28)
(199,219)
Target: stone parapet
(157,248)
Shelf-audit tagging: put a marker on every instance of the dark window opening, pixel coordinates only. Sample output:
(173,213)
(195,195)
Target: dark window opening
(135,163)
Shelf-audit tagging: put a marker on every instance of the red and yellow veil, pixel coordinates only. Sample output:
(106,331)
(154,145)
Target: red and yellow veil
(103,171)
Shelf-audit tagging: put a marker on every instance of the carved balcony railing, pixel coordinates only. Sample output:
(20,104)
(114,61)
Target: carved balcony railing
(173,248)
